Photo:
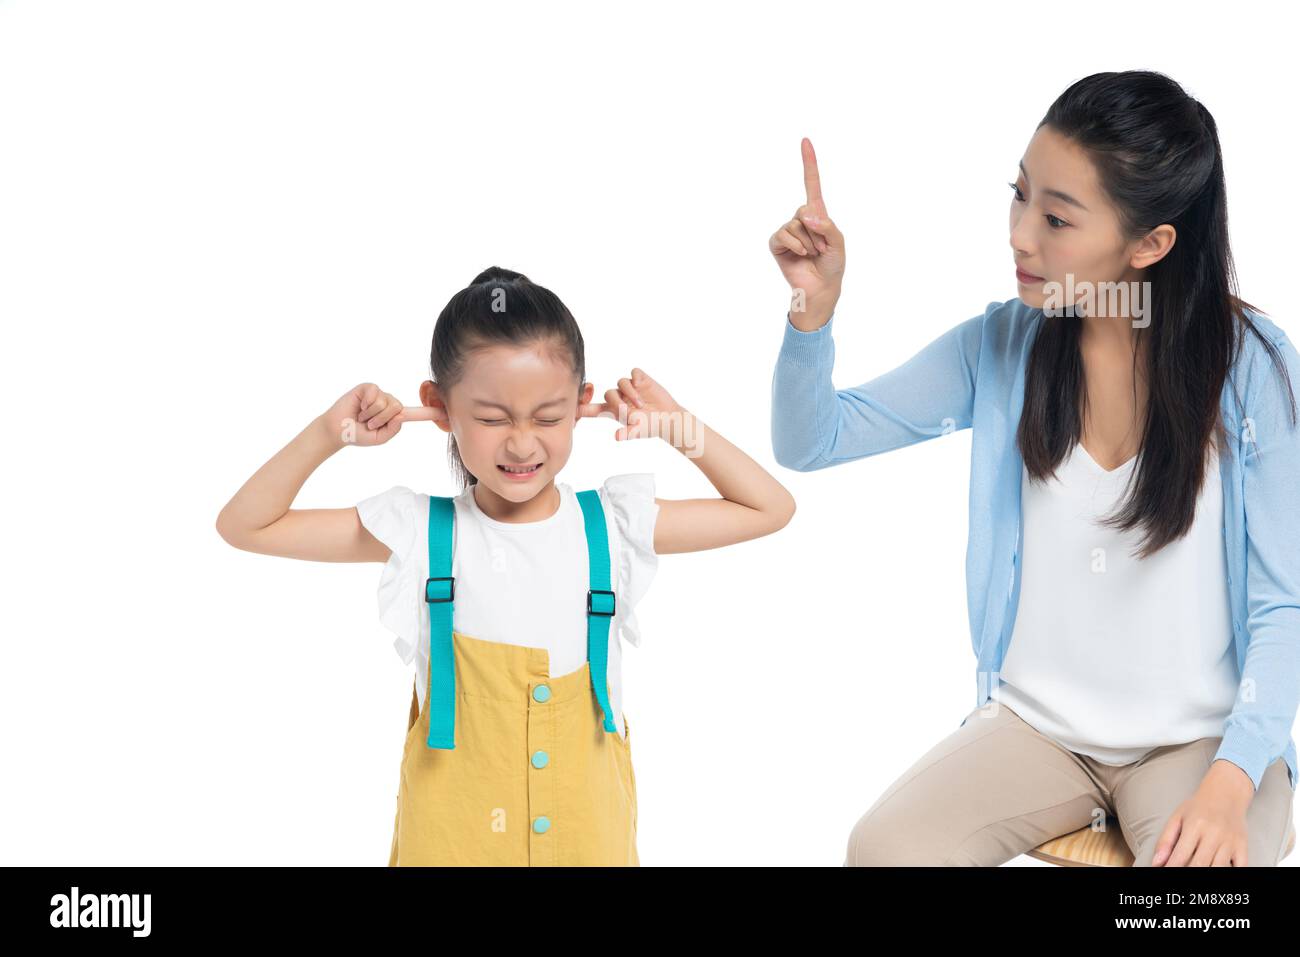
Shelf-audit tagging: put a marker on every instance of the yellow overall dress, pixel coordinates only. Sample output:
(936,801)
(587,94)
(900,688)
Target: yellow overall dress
(506,764)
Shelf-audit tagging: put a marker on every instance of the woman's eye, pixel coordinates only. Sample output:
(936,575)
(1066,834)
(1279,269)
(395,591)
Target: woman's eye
(1054,221)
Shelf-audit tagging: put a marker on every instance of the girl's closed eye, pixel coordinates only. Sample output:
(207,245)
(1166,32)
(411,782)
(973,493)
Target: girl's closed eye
(500,421)
(1054,221)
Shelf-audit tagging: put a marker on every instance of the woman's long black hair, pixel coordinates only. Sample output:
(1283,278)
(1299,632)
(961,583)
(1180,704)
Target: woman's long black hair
(499,306)
(1157,155)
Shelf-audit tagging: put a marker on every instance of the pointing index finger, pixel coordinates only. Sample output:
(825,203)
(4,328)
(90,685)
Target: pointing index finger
(811,179)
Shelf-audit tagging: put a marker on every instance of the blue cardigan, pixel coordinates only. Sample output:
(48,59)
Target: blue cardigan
(973,376)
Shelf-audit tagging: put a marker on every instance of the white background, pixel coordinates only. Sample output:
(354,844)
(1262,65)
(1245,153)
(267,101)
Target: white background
(215,218)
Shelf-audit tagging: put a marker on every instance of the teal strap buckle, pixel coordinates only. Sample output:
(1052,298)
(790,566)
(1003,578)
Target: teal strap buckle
(433,593)
(602,602)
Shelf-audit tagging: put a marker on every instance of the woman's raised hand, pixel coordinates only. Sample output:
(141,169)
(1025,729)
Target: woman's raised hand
(810,251)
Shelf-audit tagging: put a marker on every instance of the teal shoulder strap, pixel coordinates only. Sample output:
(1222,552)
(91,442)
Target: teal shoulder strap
(440,592)
(600,600)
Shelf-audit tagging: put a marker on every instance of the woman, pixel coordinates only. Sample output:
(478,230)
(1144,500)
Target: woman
(1132,570)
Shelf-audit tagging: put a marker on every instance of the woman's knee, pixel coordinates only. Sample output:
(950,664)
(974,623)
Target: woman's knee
(878,840)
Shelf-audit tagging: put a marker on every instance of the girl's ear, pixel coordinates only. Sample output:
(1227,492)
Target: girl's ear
(585,407)
(431,395)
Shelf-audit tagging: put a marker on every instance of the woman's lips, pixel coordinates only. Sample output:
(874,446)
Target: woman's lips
(1026,277)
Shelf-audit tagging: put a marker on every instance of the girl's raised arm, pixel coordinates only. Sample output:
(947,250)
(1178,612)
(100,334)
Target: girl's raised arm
(752,503)
(259,519)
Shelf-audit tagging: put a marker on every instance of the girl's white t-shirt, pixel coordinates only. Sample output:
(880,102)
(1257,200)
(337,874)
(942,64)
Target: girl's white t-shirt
(520,583)
(1112,656)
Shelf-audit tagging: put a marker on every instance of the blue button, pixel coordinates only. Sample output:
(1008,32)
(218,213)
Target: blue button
(541,824)
(540,759)
(541,693)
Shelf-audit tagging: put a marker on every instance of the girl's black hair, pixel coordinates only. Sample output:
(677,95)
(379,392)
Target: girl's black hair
(499,306)
(1157,155)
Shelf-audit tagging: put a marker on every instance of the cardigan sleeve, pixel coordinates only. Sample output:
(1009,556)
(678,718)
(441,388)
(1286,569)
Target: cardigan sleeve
(1258,728)
(814,425)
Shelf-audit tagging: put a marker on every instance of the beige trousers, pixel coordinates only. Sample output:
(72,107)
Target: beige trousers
(996,788)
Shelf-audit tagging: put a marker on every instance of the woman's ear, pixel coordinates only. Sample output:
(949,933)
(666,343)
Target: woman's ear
(1153,247)
(431,395)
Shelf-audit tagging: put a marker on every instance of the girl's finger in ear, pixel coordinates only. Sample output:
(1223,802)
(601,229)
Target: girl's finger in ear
(423,413)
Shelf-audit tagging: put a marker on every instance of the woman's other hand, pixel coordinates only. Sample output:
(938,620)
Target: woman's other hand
(1209,828)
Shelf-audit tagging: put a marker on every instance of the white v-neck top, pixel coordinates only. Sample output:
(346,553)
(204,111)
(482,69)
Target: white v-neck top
(520,583)
(1111,656)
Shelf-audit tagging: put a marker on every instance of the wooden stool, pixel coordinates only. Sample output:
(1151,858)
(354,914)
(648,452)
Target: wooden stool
(1088,848)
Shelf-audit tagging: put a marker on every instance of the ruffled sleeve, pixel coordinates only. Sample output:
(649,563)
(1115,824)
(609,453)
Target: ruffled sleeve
(398,518)
(630,499)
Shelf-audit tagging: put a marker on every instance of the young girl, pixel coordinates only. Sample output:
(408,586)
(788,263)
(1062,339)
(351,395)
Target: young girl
(1147,662)
(509,596)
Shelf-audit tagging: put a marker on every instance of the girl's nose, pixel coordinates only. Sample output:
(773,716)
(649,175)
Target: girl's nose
(521,448)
